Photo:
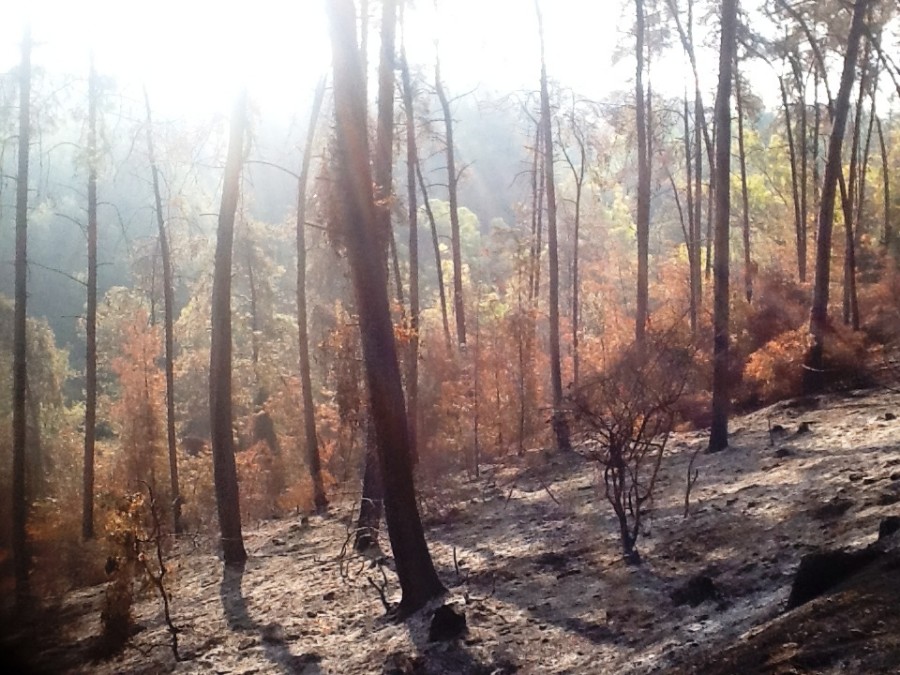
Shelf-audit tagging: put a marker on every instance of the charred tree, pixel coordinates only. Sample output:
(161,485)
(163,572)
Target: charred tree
(90,369)
(813,374)
(643,190)
(558,420)
(169,323)
(718,438)
(21,554)
(359,220)
(313,460)
(224,469)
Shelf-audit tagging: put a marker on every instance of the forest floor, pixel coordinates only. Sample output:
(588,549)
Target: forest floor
(530,553)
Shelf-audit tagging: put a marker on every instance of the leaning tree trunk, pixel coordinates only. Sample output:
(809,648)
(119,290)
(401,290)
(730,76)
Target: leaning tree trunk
(169,325)
(419,582)
(813,374)
(718,437)
(313,460)
(442,294)
(90,370)
(224,469)
(558,420)
(21,555)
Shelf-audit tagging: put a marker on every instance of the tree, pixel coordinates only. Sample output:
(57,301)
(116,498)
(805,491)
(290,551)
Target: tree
(168,322)
(309,414)
(459,306)
(643,189)
(90,375)
(718,438)
(224,469)
(813,375)
(21,555)
(745,199)
(560,427)
(359,220)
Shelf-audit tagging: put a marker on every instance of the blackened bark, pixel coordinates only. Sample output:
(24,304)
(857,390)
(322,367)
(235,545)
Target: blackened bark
(169,325)
(419,582)
(371,506)
(313,460)
(21,553)
(814,371)
(718,438)
(224,469)
(887,236)
(90,374)
(558,420)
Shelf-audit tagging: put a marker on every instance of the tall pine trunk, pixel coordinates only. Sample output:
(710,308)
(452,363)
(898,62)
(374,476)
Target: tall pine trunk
(745,199)
(313,460)
(813,374)
(21,554)
(169,324)
(718,437)
(643,196)
(224,469)
(419,582)
(90,374)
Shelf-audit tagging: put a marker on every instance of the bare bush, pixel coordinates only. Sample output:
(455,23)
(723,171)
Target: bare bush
(629,409)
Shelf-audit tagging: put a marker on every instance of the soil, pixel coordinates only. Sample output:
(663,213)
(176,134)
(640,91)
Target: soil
(531,557)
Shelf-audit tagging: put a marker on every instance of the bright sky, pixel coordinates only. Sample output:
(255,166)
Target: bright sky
(195,54)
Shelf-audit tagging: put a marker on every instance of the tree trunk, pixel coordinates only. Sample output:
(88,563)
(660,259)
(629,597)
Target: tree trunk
(224,469)
(718,438)
(442,294)
(813,374)
(169,325)
(745,199)
(21,553)
(795,185)
(419,582)
(371,505)
(313,460)
(698,203)
(459,307)
(643,196)
(690,242)
(412,372)
(90,374)
(848,200)
(887,237)
(558,421)
(578,174)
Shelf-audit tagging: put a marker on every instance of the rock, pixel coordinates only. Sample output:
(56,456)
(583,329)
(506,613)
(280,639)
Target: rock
(855,477)
(804,428)
(329,596)
(888,416)
(819,572)
(834,508)
(448,623)
(888,526)
(888,498)
(695,591)
(399,663)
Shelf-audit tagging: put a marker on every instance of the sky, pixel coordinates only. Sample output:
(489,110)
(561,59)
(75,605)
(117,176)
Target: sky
(194,54)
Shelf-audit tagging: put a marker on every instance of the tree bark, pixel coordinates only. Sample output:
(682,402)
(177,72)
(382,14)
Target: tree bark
(419,582)
(718,438)
(643,195)
(90,375)
(887,237)
(692,240)
(169,324)
(813,379)
(20,550)
(224,469)
(558,420)
(313,460)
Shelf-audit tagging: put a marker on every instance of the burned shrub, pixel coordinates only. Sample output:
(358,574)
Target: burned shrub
(628,409)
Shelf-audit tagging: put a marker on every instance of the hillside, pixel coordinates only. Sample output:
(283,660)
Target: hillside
(530,553)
